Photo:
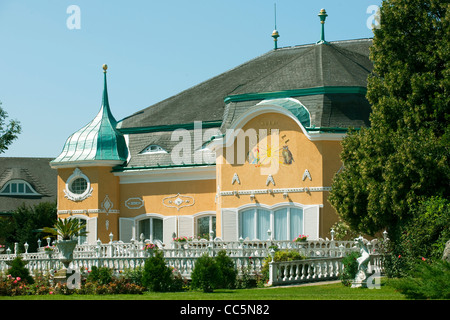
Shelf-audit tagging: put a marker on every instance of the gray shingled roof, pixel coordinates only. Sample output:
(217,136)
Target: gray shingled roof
(340,64)
(36,171)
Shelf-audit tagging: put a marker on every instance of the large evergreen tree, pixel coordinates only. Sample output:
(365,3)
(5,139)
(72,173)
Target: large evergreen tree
(403,157)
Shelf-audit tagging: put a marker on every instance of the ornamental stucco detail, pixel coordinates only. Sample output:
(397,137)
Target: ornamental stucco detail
(178,201)
(77,174)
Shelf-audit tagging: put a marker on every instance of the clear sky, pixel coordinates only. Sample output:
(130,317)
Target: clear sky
(51,58)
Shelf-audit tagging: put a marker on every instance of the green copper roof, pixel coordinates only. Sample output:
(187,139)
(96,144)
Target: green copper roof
(98,140)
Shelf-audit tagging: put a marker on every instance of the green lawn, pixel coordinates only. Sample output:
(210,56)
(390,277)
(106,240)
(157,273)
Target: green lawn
(333,291)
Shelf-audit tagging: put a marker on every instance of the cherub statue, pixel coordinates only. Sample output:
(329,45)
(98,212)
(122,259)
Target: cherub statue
(363,261)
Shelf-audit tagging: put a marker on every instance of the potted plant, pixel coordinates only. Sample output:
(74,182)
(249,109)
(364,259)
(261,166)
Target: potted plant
(301,238)
(66,230)
(49,250)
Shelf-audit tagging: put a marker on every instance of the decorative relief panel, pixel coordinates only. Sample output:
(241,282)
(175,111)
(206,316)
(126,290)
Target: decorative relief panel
(178,201)
(134,203)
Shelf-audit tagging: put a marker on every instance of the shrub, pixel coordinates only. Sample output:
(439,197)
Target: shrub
(12,286)
(206,274)
(350,268)
(100,275)
(159,277)
(18,270)
(426,281)
(424,235)
(227,270)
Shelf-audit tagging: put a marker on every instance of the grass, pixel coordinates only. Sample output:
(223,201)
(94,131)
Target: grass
(332,291)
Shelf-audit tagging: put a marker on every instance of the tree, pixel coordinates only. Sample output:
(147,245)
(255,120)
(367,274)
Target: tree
(25,223)
(402,158)
(8,131)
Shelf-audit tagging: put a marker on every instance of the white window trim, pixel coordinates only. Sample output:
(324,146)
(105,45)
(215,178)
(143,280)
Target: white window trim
(77,173)
(204,215)
(150,217)
(272,210)
(17,181)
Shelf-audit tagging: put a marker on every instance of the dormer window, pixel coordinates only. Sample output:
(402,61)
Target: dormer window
(152,149)
(18,188)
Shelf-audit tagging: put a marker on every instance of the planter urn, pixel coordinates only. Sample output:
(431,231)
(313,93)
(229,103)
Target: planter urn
(66,248)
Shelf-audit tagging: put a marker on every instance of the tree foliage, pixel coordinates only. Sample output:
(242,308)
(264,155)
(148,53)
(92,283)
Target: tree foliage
(25,223)
(8,130)
(403,157)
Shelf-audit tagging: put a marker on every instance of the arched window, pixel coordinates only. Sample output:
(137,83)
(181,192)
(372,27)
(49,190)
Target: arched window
(151,228)
(152,149)
(285,223)
(18,188)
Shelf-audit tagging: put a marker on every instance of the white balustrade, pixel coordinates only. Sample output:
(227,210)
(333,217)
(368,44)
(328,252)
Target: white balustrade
(323,261)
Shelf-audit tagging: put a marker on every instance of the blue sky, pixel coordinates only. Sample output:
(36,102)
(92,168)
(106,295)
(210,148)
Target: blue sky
(51,76)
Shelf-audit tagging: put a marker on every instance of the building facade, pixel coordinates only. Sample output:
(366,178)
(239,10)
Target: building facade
(250,153)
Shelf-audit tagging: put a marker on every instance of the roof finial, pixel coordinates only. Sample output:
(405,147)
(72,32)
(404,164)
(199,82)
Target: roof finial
(322,15)
(275,34)
(105,67)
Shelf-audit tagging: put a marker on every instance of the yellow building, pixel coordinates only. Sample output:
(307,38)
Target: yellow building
(249,151)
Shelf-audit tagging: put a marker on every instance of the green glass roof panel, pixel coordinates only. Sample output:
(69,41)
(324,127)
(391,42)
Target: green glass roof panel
(293,106)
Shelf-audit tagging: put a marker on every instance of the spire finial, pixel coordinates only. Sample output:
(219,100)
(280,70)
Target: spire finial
(105,67)
(322,15)
(275,34)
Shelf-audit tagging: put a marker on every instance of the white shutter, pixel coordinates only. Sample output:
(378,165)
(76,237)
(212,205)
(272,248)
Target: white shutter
(126,229)
(229,225)
(186,227)
(91,228)
(169,228)
(311,221)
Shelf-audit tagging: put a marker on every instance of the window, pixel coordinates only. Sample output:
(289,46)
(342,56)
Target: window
(153,148)
(82,239)
(284,223)
(204,225)
(18,188)
(151,228)
(78,186)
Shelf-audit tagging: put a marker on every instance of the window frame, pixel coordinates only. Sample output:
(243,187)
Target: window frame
(147,150)
(151,227)
(77,174)
(17,183)
(272,211)
(212,224)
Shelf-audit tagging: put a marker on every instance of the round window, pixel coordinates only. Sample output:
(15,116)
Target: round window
(78,186)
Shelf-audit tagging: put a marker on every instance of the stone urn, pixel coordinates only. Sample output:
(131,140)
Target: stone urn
(66,248)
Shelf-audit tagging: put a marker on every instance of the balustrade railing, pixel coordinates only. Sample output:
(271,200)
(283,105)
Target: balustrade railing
(322,263)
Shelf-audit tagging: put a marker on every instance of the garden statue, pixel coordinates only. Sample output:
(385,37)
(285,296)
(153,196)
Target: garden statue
(361,276)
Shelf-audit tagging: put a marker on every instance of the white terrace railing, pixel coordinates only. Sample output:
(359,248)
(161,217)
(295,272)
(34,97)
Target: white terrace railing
(323,263)
(312,270)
